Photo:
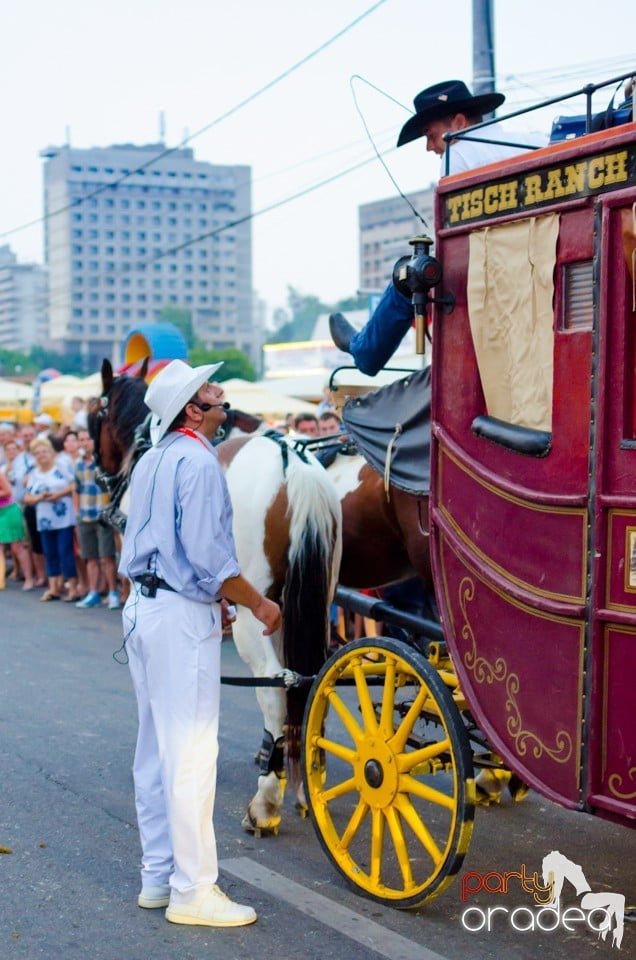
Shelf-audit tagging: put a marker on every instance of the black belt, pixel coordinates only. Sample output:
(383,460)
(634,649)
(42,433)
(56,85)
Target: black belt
(150,584)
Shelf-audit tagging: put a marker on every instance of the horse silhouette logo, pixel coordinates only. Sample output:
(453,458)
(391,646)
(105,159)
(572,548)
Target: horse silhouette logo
(557,869)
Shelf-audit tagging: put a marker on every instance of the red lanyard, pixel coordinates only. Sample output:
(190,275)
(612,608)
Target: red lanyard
(190,433)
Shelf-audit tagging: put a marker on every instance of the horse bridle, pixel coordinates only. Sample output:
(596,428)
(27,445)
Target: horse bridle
(117,485)
(105,480)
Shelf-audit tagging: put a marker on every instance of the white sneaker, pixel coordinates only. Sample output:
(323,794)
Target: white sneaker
(153,897)
(113,601)
(215,910)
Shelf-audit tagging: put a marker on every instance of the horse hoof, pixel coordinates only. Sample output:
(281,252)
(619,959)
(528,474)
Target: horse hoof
(302,810)
(484,798)
(490,785)
(251,825)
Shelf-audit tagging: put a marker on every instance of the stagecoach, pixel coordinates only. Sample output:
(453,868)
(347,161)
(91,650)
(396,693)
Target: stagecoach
(530,526)
(532,531)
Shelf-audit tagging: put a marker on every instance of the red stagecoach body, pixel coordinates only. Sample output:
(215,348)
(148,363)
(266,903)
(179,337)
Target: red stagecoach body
(533,493)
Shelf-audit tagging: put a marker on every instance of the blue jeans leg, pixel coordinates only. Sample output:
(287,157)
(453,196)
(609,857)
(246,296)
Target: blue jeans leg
(378,340)
(67,552)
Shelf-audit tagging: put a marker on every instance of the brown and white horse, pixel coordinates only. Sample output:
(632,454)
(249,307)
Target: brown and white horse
(384,534)
(287,529)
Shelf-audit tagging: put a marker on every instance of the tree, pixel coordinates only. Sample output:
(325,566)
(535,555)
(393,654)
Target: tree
(13,363)
(359,302)
(298,320)
(235,363)
(304,310)
(65,363)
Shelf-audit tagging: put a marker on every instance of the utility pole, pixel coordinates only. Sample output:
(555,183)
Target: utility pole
(483,46)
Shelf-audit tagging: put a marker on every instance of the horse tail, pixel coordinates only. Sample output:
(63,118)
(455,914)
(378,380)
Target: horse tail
(315,548)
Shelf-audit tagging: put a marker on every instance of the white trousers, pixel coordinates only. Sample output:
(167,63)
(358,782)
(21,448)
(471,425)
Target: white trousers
(174,648)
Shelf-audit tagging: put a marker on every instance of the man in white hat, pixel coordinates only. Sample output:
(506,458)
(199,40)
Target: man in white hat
(179,552)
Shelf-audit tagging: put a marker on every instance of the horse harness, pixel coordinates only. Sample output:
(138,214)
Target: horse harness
(117,485)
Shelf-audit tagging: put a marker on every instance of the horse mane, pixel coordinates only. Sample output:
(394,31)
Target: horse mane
(141,443)
(127,407)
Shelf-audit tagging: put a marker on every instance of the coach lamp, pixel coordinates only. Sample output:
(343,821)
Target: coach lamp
(415,277)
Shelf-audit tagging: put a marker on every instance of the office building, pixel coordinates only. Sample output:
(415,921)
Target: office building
(385,228)
(131,230)
(22,303)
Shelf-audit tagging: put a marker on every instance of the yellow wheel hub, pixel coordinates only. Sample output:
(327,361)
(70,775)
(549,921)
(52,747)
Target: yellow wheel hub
(376,773)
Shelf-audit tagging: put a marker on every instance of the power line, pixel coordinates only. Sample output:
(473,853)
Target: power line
(539,82)
(383,137)
(549,75)
(268,209)
(228,113)
(172,251)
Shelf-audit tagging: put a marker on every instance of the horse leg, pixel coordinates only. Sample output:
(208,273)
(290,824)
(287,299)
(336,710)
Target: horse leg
(258,652)
(264,810)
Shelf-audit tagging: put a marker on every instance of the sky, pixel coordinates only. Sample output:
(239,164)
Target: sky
(96,74)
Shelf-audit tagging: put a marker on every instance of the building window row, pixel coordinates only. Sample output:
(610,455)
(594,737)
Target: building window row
(140,172)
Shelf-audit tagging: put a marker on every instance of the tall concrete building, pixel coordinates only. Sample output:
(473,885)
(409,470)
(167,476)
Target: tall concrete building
(386,226)
(22,303)
(130,230)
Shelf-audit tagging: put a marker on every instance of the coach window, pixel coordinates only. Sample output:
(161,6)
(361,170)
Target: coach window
(510,307)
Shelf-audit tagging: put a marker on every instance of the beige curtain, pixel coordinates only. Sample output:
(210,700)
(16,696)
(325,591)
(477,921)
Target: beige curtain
(628,220)
(510,292)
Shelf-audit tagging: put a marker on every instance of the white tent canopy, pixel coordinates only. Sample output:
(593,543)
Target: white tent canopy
(13,392)
(311,385)
(261,398)
(59,392)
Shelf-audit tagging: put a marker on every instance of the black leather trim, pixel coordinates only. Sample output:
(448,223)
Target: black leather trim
(531,443)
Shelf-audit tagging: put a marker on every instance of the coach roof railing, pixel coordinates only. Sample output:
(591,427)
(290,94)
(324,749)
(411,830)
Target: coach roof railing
(587,91)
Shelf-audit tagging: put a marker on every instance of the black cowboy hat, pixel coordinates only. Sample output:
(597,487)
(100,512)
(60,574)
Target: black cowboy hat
(444,100)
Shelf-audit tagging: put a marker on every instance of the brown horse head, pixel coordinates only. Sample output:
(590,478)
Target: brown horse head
(113,419)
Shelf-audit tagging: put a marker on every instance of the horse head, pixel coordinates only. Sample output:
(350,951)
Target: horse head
(113,419)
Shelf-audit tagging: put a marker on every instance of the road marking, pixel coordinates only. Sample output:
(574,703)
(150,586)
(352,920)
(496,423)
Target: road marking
(353,925)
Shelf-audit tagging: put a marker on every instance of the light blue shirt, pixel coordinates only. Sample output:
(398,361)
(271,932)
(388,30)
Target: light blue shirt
(180,519)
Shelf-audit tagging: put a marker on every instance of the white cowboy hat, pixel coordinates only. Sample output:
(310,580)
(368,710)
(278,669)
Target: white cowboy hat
(171,389)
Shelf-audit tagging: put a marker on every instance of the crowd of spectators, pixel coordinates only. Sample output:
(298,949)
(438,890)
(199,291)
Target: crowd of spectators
(50,503)
(51,536)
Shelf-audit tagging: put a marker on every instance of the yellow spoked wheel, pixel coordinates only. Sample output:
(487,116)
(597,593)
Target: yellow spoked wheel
(388,772)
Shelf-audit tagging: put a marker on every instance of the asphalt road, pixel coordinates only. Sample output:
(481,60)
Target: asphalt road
(68,889)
